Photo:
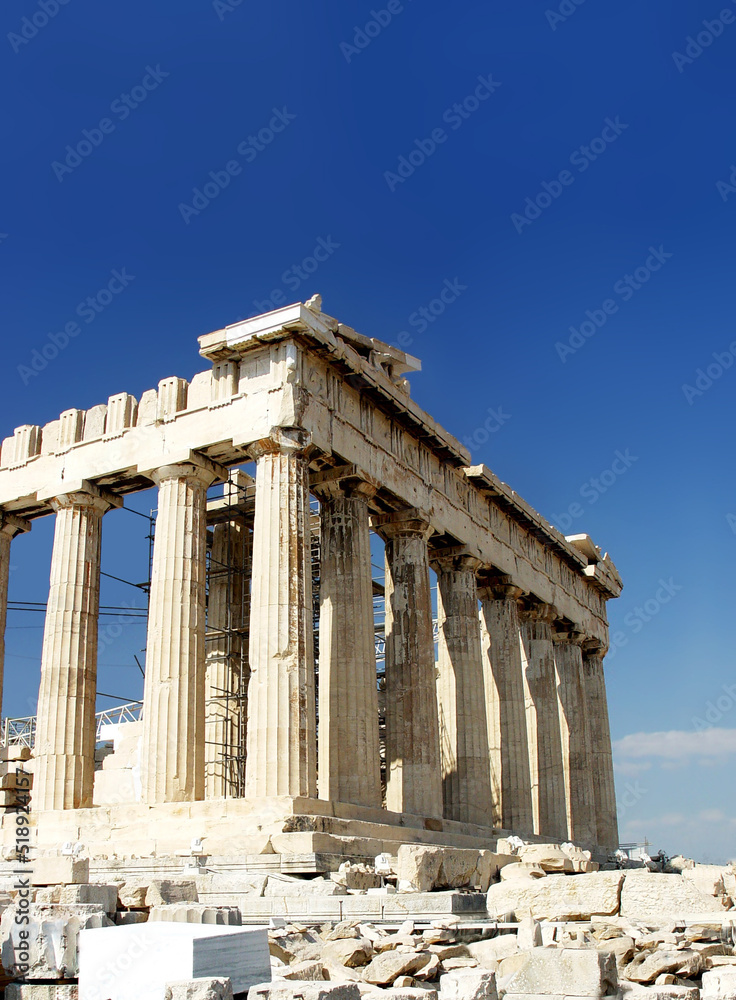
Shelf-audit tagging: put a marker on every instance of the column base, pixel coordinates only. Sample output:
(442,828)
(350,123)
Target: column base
(310,835)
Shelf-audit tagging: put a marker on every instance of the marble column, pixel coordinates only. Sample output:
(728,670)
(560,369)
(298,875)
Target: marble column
(172,758)
(575,733)
(226,670)
(10,526)
(604,791)
(281,744)
(64,747)
(349,751)
(413,773)
(504,686)
(543,721)
(466,773)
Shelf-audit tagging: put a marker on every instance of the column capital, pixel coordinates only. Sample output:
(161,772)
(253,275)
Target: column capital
(538,611)
(403,523)
(343,481)
(281,440)
(563,632)
(12,525)
(201,471)
(457,559)
(594,647)
(498,587)
(89,496)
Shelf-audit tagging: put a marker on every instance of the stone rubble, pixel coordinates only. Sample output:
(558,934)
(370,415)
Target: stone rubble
(559,928)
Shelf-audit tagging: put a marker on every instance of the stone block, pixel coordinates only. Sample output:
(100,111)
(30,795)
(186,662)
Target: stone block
(651,896)
(94,422)
(291,947)
(522,869)
(622,948)
(350,952)
(421,868)
(104,896)
(200,989)
(565,971)
(303,970)
(633,991)
(305,990)
(493,950)
(132,895)
(384,968)
(558,897)
(162,892)
(197,913)
(710,879)
(468,984)
(137,962)
(403,993)
(38,991)
(63,870)
(529,934)
(719,984)
(647,966)
(282,885)
(549,857)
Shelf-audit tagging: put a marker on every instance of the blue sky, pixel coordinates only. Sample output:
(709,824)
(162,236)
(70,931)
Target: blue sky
(546,167)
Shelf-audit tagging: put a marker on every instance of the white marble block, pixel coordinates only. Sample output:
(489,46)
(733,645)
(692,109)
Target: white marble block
(136,962)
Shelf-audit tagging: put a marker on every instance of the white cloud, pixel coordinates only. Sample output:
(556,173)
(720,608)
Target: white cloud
(676,745)
(630,768)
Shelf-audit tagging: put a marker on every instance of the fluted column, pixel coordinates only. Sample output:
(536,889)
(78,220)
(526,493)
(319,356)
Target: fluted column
(575,732)
(413,775)
(466,774)
(172,765)
(281,755)
(349,751)
(504,684)
(543,721)
(604,791)
(10,526)
(227,672)
(65,725)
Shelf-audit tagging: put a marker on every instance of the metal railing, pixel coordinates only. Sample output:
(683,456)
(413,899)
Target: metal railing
(22,732)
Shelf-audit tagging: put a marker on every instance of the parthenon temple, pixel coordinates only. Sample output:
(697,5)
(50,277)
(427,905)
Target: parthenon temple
(267,724)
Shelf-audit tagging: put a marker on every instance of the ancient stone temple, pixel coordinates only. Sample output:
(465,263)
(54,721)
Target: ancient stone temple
(264,725)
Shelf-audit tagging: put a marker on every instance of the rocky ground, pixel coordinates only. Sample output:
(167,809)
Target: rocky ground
(557,925)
